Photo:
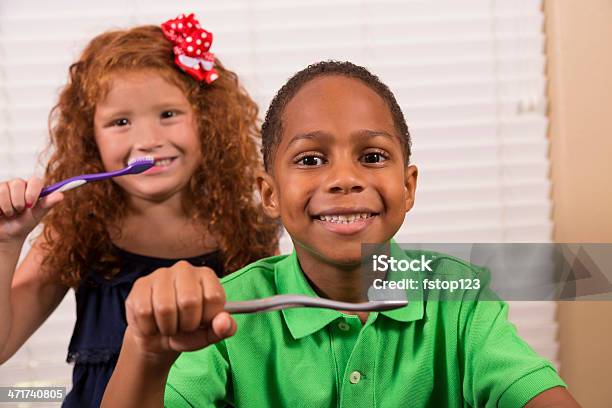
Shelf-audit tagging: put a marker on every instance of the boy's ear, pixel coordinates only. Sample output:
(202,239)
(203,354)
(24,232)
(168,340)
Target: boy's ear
(410,183)
(269,194)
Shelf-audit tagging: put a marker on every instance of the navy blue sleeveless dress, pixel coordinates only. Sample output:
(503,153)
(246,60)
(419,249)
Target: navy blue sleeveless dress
(101,323)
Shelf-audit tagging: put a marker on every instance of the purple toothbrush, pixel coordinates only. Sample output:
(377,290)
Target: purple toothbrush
(135,166)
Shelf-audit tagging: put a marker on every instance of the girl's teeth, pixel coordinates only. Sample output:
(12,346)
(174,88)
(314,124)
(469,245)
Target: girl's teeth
(164,162)
(345,219)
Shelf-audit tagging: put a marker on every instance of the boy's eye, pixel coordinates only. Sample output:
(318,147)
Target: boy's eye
(374,157)
(310,161)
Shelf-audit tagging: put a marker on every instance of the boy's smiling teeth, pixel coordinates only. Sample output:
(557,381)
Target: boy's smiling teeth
(345,218)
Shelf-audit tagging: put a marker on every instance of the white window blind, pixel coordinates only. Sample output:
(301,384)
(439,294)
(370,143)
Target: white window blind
(469,76)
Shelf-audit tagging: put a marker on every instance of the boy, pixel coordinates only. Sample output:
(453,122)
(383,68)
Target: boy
(336,150)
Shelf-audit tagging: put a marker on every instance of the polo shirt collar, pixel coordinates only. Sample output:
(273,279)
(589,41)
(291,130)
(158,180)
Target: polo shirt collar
(414,310)
(290,280)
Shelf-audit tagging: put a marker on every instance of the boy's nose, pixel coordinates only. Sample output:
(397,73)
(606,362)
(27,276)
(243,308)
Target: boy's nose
(344,179)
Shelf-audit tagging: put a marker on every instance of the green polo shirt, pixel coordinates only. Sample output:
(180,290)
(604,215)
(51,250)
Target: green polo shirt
(426,354)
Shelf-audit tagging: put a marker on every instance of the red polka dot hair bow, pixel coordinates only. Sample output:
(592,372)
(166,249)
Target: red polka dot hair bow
(191,45)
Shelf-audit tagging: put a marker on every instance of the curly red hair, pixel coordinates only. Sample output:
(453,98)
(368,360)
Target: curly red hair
(221,196)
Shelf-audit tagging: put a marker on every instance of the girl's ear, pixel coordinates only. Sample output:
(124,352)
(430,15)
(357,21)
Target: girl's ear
(269,194)
(410,183)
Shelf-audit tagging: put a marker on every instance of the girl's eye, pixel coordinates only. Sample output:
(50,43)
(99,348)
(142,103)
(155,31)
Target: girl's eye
(121,122)
(374,157)
(168,114)
(310,161)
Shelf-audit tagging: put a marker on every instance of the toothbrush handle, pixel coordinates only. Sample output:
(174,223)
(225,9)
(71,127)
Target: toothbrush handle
(279,302)
(77,181)
(65,185)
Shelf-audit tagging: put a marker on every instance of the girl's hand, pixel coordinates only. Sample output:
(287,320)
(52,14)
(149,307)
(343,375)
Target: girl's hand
(20,209)
(177,309)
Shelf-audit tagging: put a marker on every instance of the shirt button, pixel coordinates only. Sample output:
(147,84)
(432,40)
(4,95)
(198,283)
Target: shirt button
(355,377)
(343,326)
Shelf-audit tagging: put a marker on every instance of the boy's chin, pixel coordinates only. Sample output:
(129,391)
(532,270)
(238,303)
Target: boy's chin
(348,258)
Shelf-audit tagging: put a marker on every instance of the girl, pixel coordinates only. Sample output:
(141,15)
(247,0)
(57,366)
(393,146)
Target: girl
(147,91)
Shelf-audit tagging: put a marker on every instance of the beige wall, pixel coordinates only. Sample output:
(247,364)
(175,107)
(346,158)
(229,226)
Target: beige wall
(580,88)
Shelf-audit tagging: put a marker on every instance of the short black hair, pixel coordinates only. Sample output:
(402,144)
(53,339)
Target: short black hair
(271,129)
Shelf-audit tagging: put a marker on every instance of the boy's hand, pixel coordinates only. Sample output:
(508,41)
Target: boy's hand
(20,210)
(177,309)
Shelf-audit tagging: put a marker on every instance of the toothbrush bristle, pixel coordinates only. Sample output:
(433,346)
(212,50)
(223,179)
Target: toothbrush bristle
(141,159)
(141,164)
